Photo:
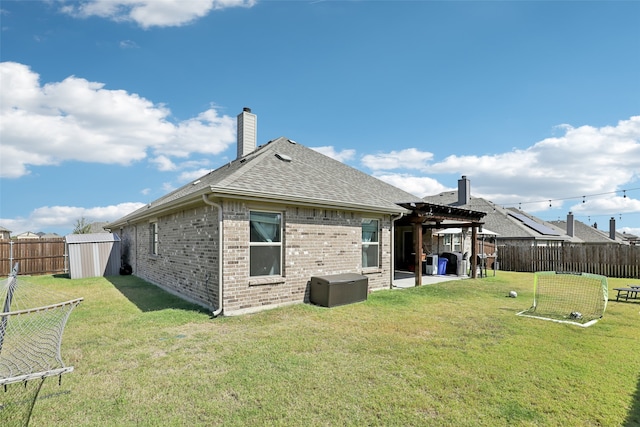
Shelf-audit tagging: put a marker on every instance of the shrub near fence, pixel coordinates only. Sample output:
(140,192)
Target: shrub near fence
(36,256)
(607,260)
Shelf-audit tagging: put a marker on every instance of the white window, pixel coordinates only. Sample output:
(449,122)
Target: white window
(370,243)
(153,238)
(265,243)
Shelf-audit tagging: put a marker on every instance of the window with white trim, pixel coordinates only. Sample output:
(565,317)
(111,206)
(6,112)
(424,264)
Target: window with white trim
(153,238)
(265,243)
(370,243)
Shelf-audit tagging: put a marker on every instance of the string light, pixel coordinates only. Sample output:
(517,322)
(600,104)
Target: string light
(584,198)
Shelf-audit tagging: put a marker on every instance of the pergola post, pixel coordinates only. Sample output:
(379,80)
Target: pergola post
(417,232)
(434,216)
(474,254)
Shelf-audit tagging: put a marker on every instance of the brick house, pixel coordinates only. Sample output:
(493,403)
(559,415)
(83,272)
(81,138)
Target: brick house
(250,234)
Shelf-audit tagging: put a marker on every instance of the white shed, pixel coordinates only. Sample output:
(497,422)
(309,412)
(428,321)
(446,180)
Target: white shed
(93,255)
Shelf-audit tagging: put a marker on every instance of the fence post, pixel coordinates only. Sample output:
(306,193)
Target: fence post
(10,253)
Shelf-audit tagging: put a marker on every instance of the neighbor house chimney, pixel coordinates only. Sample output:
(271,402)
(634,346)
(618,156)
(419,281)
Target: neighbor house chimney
(570,224)
(612,228)
(247,132)
(464,190)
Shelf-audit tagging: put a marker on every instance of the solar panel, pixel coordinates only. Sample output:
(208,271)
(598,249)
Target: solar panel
(540,228)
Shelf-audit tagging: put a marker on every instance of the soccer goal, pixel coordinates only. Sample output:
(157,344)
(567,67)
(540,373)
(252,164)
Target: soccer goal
(566,297)
(32,321)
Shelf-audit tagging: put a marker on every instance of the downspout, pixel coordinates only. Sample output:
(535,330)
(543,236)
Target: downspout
(393,247)
(220,252)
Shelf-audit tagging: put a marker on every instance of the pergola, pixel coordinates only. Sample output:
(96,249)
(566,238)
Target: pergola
(432,216)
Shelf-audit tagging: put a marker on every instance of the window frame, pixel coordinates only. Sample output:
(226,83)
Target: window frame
(365,245)
(276,244)
(154,240)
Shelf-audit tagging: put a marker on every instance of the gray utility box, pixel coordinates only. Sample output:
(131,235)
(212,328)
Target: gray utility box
(338,289)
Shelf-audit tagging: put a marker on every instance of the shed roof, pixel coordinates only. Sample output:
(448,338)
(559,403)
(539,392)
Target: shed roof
(92,238)
(285,171)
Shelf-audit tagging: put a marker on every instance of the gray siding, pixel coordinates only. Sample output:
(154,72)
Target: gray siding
(93,259)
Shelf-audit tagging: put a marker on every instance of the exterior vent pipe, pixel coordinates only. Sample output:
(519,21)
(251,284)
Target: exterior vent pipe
(612,228)
(570,224)
(464,191)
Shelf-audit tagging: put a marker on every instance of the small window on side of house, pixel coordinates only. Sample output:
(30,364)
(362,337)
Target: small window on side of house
(265,243)
(153,238)
(370,243)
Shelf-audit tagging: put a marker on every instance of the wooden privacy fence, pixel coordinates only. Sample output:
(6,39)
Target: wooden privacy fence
(607,260)
(36,256)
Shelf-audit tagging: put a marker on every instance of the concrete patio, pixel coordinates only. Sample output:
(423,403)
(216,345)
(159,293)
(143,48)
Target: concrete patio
(406,279)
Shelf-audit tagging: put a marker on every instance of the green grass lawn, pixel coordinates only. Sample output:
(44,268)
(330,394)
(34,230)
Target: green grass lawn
(451,354)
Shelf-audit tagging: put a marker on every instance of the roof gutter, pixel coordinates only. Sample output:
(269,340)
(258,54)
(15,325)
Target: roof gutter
(304,201)
(218,206)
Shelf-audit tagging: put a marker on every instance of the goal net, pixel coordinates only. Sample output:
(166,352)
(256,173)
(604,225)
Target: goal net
(32,322)
(576,298)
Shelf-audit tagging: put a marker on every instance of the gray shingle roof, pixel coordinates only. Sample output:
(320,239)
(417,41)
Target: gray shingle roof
(498,218)
(587,233)
(285,171)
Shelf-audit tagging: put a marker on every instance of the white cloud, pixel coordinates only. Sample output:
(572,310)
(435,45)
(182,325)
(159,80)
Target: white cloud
(630,230)
(585,160)
(192,175)
(168,187)
(420,186)
(330,151)
(128,44)
(63,218)
(582,161)
(151,13)
(76,119)
(409,158)
(606,204)
(164,163)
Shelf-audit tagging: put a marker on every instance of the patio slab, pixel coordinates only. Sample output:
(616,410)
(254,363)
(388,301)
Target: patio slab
(406,279)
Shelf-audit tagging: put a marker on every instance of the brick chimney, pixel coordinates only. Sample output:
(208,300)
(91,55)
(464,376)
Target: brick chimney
(464,191)
(570,225)
(247,132)
(612,228)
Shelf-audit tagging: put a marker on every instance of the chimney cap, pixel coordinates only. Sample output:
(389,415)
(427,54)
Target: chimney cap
(247,109)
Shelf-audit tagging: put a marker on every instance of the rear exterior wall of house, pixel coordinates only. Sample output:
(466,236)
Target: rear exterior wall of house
(315,242)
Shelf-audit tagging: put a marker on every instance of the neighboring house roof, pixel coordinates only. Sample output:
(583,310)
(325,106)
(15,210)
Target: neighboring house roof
(503,221)
(27,235)
(49,236)
(587,233)
(285,171)
(91,238)
(2,230)
(98,227)
(631,238)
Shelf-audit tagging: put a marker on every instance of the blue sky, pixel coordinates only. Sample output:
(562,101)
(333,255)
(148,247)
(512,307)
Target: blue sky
(109,104)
